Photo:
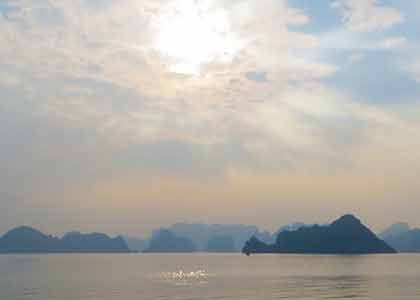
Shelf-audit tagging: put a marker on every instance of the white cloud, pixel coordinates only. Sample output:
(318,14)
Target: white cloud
(87,93)
(99,69)
(393,42)
(345,40)
(368,15)
(114,43)
(356,57)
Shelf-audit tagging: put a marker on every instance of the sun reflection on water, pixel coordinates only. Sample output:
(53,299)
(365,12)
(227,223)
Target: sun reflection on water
(186,277)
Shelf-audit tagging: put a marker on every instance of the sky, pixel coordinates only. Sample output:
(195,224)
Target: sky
(126,115)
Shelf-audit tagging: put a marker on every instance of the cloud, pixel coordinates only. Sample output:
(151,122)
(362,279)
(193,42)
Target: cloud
(94,68)
(393,42)
(355,58)
(95,113)
(60,46)
(345,40)
(368,15)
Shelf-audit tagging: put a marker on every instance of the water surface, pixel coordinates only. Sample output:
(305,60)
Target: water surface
(208,276)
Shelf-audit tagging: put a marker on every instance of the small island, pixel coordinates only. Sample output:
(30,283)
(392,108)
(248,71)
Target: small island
(347,235)
(26,239)
(221,244)
(165,241)
(403,238)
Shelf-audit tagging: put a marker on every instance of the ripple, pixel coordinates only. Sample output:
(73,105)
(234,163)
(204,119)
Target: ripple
(182,276)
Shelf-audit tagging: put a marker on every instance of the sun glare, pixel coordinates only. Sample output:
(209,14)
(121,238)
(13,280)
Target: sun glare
(191,35)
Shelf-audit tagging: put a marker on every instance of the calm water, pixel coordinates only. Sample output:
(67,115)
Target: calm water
(207,276)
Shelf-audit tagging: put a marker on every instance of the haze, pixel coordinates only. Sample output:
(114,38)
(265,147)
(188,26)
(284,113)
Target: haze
(123,116)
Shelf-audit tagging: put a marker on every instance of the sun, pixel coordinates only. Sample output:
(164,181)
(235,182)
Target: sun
(191,34)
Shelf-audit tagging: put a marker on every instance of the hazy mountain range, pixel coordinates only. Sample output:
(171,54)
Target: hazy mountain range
(29,240)
(166,241)
(201,234)
(402,237)
(206,237)
(136,244)
(184,237)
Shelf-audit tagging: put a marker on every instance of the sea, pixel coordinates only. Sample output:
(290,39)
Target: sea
(208,276)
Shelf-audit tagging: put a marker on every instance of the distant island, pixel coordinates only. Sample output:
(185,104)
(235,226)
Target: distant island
(222,244)
(165,241)
(202,234)
(394,230)
(401,237)
(136,244)
(198,237)
(347,235)
(25,239)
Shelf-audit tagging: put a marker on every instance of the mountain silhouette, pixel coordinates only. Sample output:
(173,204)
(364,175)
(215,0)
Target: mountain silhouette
(93,242)
(25,239)
(165,241)
(221,244)
(394,230)
(201,234)
(408,241)
(136,244)
(290,227)
(347,235)
(204,236)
